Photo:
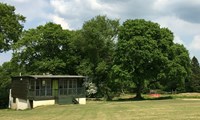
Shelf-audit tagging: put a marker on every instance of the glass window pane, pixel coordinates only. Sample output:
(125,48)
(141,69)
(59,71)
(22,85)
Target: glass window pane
(70,83)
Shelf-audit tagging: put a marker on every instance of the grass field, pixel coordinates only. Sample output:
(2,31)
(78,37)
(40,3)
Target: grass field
(172,109)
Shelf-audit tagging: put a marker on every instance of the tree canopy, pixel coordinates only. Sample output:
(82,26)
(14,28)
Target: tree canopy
(96,46)
(10,26)
(46,49)
(179,68)
(143,53)
(194,83)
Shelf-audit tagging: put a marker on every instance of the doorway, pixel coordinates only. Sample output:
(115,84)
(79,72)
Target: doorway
(55,90)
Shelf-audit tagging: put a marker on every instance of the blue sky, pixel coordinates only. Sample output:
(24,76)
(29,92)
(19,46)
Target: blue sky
(180,16)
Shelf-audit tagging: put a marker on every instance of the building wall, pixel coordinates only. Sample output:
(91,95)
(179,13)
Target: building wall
(81,100)
(20,87)
(19,104)
(23,98)
(22,104)
(10,99)
(43,102)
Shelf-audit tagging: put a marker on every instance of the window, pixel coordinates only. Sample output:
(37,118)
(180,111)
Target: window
(32,84)
(48,88)
(37,88)
(70,83)
(79,83)
(43,87)
(63,86)
(43,82)
(67,86)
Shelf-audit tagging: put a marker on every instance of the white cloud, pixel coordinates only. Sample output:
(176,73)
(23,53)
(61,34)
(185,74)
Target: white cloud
(184,33)
(195,44)
(76,12)
(21,1)
(77,8)
(160,4)
(60,6)
(183,9)
(178,40)
(59,20)
(95,5)
(178,25)
(31,9)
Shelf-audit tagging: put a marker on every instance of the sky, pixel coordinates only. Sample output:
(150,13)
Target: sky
(180,16)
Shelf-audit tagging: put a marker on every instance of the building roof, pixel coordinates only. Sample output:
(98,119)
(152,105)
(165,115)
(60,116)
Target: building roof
(50,76)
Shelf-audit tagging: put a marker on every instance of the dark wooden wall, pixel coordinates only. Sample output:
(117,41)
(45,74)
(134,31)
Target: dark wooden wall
(20,87)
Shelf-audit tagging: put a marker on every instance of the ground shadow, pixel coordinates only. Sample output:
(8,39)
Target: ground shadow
(160,98)
(142,99)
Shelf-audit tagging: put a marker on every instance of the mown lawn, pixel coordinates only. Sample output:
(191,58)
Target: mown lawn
(173,109)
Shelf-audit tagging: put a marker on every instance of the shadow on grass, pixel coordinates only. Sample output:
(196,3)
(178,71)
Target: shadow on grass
(160,98)
(142,99)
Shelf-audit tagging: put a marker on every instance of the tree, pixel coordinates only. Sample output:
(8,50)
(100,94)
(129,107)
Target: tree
(178,70)
(194,83)
(142,53)
(10,26)
(96,47)
(46,49)
(195,65)
(7,70)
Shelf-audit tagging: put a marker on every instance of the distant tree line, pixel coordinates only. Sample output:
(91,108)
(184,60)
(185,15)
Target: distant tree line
(134,57)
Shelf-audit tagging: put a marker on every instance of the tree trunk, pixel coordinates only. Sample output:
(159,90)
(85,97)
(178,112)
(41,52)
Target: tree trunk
(138,95)
(139,92)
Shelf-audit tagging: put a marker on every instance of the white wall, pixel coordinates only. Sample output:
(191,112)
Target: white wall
(43,102)
(10,100)
(22,104)
(81,100)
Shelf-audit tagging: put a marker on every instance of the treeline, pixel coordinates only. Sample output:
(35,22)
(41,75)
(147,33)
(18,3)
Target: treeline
(134,57)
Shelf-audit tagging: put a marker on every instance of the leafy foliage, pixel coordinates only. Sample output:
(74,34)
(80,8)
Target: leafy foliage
(10,26)
(146,54)
(46,49)
(179,68)
(194,83)
(96,46)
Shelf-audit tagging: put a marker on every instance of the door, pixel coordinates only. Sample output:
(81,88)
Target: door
(55,90)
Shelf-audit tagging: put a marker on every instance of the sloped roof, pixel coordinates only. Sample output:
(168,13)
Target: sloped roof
(50,76)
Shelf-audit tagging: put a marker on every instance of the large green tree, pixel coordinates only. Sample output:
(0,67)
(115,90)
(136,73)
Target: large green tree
(142,53)
(10,26)
(96,47)
(46,49)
